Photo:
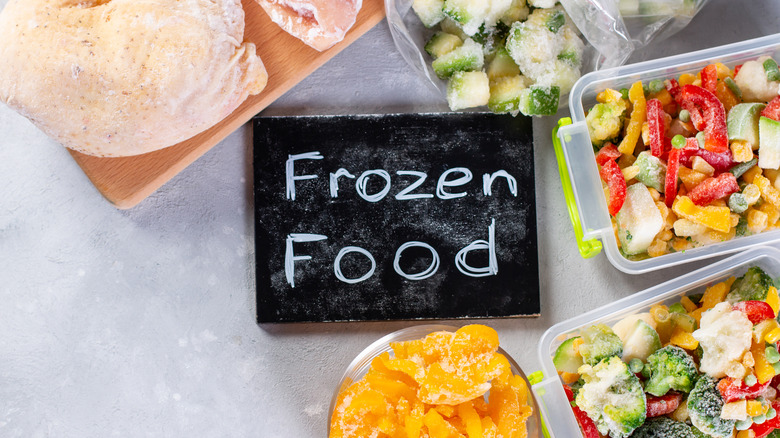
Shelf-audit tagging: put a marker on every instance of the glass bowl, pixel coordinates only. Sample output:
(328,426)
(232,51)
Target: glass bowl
(362,363)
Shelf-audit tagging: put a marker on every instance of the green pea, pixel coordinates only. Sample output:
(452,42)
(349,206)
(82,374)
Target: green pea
(685,116)
(678,141)
(750,380)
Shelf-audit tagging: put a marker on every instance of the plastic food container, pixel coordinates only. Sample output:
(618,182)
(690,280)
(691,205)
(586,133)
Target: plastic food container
(362,363)
(549,391)
(579,172)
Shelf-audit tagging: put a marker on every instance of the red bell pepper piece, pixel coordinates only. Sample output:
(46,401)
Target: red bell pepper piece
(673,87)
(765,428)
(710,110)
(735,389)
(737,69)
(606,153)
(670,184)
(721,162)
(713,188)
(611,174)
(655,126)
(709,78)
(756,311)
(657,406)
(772,109)
(587,426)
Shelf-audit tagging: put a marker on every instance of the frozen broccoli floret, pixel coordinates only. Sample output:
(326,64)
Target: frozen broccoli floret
(612,397)
(599,343)
(704,406)
(605,120)
(663,427)
(671,368)
(754,285)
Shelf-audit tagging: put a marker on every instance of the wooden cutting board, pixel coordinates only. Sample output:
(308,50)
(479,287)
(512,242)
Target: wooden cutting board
(126,181)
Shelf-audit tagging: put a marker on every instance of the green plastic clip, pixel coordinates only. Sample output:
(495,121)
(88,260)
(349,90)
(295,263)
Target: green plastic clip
(588,248)
(533,379)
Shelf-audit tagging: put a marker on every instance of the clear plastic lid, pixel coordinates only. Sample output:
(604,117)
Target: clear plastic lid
(577,163)
(549,391)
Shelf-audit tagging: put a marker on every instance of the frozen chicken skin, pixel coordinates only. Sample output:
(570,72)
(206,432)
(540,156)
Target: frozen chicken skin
(318,23)
(124,77)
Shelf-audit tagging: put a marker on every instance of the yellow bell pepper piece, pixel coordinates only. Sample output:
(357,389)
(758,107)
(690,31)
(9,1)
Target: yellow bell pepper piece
(638,115)
(754,408)
(717,218)
(773,336)
(683,339)
(609,95)
(764,370)
(689,305)
(686,79)
(772,299)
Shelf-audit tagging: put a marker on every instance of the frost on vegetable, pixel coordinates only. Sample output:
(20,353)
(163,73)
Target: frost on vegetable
(753,82)
(704,407)
(599,343)
(671,368)
(468,89)
(754,285)
(724,336)
(638,220)
(467,57)
(605,120)
(663,427)
(429,11)
(652,171)
(612,397)
(546,48)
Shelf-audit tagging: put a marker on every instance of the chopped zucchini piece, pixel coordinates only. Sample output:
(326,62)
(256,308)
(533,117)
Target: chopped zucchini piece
(540,100)
(429,11)
(468,89)
(506,93)
(467,57)
(470,14)
(442,43)
(502,65)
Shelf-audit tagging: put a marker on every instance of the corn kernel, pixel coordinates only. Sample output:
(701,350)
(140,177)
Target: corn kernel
(684,228)
(630,172)
(657,248)
(698,164)
(768,192)
(569,378)
(681,244)
(772,213)
(751,174)
(757,220)
(654,194)
(686,79)
(576,344)
(688,304)
(742,151)
(751,193)
(746,434)
(723,71)
(645,133)
(736,370)
(666,235)
(761,329)
(748,361)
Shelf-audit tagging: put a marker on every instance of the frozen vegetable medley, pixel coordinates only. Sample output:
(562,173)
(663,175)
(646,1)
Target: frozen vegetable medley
(510,55)
(706,366)
(690,161)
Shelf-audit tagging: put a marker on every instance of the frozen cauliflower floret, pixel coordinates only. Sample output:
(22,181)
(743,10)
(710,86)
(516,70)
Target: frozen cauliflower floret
(753,82)
(724,336)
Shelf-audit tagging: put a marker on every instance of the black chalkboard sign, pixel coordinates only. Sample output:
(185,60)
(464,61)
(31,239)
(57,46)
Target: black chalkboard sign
(407,216)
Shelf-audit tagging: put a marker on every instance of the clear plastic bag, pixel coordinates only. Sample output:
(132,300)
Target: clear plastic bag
(614,29)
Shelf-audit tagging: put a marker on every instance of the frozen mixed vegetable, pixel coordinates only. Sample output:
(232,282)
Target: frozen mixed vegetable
(706,366)
(692,160)
(515,57)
